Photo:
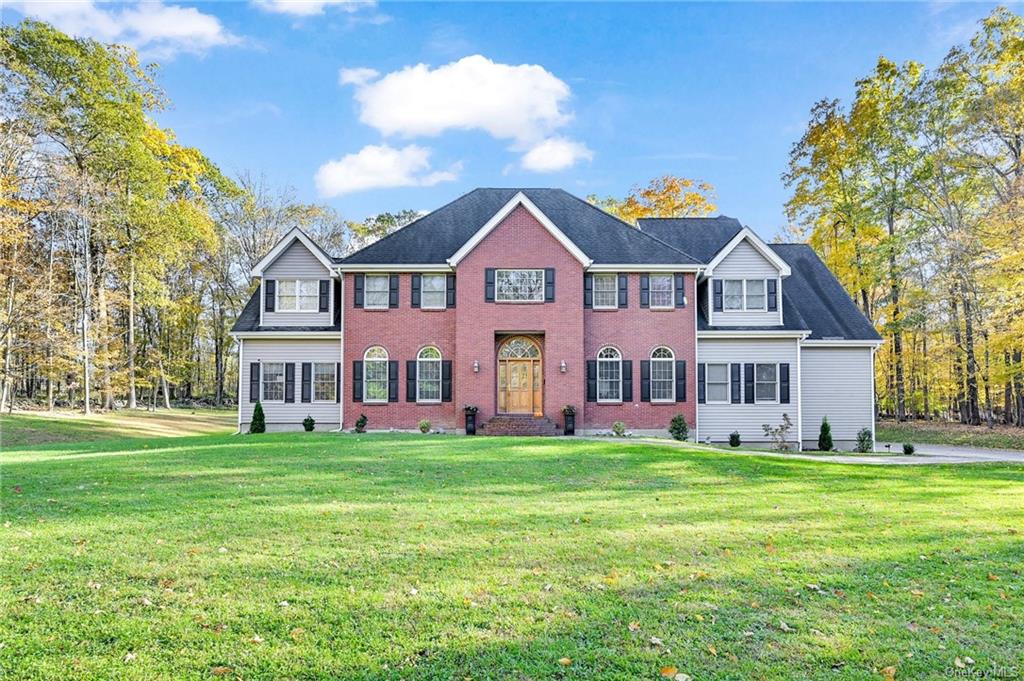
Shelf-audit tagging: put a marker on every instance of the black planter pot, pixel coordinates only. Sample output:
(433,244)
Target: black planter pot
(570,424)
(470,424)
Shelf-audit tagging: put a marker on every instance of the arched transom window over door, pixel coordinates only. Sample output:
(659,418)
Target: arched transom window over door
(520,377)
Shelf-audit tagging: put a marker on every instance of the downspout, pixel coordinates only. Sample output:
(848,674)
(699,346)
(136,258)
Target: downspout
(341,351)
(873,410)
(241,345)
(799,394)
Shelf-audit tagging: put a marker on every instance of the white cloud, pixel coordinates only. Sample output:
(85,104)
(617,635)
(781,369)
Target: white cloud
(309,8)
(555,153)
(357,76)
(157,30)
(380,166)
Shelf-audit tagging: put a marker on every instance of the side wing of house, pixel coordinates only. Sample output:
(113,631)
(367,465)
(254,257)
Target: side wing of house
(836,383)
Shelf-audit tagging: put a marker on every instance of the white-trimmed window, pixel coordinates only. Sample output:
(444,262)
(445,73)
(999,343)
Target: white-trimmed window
(375,375)
(428,375)
(325,383)
(376,291)
(609,375)
(298,295)
(273,381)
(733,294)
(433,291)
(716,383)
(766,383)
(519,286)
(663,375)
(754,294)
(662,293)
(745,294)
(606,291)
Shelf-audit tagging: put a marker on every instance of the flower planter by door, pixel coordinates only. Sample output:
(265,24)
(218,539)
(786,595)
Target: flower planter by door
(570,424)
(471,424)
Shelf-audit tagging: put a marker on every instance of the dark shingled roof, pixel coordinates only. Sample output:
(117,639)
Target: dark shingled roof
(700,237)
(435,237)
(249,320)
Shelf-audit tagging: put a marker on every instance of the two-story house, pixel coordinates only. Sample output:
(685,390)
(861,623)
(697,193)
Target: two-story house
(522,301)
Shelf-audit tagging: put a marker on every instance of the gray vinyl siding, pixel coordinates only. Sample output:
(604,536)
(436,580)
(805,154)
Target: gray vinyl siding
(836,382)
(288,416)
(717,421)
(297,263)
(744,262)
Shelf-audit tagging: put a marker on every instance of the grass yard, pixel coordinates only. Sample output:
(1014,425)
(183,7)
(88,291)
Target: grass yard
(431,557)
(942,433)
(32,428)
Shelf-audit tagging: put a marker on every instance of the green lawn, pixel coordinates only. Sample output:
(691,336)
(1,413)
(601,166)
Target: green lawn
(396,556)
(941,433)
(32,428)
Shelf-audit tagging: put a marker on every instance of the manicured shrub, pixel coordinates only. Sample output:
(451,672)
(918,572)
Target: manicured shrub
(424,426)
(308,423)
(908,449)
(825,435)
(361,423)
(259,422)
(619,429)
(678,428)
(734,439)
(865,442)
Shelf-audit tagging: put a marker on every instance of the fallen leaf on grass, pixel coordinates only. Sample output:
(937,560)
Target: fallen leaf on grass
(655,641)
(256,638)
(916,592)
(128,657)
(713,650)
(565,661)
(993,577)
(220,670)
(296,633)
(785,627)
(889,673)
(634,626)
(669,672)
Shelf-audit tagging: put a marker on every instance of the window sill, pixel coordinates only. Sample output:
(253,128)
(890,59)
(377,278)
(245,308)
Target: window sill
(520,302)
(613,402)
(428,402)
(672,401)
(433,309)
(663,309)
(606,309)
(376,309)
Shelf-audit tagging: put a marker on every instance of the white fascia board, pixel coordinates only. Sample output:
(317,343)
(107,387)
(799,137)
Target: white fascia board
(432,267)
(752,334)
(287,334)
(282,245)
(761,247)
(644,268)
(842,343)
(520,199)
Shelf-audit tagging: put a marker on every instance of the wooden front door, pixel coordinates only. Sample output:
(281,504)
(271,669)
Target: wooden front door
(520,378)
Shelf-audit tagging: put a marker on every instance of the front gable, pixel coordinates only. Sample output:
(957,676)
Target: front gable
(749,246)
(295,255)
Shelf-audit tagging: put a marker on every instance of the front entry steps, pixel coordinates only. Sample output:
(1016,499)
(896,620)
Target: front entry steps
(520,424)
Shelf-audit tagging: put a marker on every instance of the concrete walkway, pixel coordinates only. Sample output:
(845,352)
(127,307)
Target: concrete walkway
(924,454)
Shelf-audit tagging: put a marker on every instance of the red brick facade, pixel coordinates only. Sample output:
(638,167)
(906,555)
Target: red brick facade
(469,334)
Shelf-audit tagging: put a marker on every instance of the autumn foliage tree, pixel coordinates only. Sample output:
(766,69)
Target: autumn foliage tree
(668,196)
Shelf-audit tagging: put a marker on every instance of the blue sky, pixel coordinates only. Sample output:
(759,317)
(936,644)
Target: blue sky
(594,98)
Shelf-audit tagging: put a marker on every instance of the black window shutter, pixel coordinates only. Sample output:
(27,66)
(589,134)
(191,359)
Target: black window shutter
(450,290)
(446,380)
(645,290)
(701,386)
(393,293)
(289,382)
(393,380)
(357,380)
(325,295)
(627,380)
(645,380)
(735,383)
(337,302)
(489,285)
(254,381)
(717,288)
(748,383)
(591,380)
(410,380)
(623,290)
(784,383)
(680,380)
(549,284)
(337,381)
(416,279)
(680,291)
(307,381)
(773,295)
(588,291)
(270,295)
(358,282)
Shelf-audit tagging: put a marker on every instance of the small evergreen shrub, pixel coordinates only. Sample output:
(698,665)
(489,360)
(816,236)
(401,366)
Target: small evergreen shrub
(678,428)
(825,435)
(619,429)
(908,449)
(424,426)
(259,421)
(361,423)
(865,443)
(734,439)
(308,423)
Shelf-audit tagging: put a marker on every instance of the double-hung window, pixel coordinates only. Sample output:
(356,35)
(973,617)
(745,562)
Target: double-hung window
(766,383)
(754,290)
(377,291)
(662,293)
(273,381)
(433,291)
(375,375)
(428,375)
(298,295)
(733,290)
(716,380)
(606,291)
(663,375)
(519,286)
(745,294)
(609,375)
(324,381)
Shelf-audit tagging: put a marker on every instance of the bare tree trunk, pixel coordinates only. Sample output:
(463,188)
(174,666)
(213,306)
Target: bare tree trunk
(86,311)
(958,368)
(131,333)
(924,368)
(895,324)
(103,323)
(6,396)
(973,410)
(164,386)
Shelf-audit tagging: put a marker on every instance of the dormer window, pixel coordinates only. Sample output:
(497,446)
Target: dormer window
(298,295)
(745,294)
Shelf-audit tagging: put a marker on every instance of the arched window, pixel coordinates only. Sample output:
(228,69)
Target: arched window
(663,375)
(609,375)
(375,375)
(428,375)
(519,348)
